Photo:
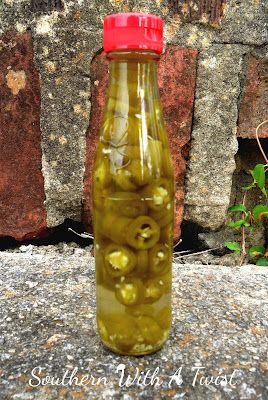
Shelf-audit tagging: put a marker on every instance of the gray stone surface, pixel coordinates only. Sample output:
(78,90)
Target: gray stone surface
(216,239)
(214,143)
(220,322)
(64,47)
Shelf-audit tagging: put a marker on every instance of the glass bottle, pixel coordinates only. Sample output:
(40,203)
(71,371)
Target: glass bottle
(133,193)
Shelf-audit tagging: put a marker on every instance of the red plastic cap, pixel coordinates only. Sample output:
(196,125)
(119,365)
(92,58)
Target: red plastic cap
(136,31)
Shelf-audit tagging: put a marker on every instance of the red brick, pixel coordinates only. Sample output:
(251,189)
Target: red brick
(22,211)
(254,102)
(177,73)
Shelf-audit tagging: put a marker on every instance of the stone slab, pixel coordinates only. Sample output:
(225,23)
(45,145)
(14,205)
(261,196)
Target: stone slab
(214,142)
(220,322)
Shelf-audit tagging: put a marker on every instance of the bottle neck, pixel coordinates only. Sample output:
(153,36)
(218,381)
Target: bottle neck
(133,80)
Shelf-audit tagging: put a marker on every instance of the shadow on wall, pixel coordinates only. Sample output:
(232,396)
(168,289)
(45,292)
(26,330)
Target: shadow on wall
(52,236)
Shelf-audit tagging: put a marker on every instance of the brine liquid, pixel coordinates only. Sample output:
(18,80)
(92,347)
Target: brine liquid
(142,325)
(133,192)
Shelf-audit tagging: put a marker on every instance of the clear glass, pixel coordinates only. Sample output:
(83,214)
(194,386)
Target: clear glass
(133,194)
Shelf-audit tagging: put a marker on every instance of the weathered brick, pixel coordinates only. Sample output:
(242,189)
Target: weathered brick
(254,102)
(22,210)
(177,74)
(204,11)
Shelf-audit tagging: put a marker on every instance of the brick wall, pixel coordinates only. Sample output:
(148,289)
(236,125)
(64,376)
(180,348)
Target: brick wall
(53,76)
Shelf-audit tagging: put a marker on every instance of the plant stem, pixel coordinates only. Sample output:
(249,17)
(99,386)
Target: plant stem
(258,140)
(243,238)
(194,254)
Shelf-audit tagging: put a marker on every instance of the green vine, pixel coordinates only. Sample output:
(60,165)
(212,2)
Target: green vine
(247,220)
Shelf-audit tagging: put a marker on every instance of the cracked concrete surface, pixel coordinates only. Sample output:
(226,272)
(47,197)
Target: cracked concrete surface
(220,322)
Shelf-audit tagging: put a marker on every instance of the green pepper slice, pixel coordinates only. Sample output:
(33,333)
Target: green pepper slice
(102,276)
(128,204)
(99,195)
(163,317)
(155,149)
(167,164)
(131,176)
(119,333)
(159,259)
(129,291)
(122,178)
(165,282)
(142,262)
(166,235)
(119,260)
(149,329)
(153,290)
(132,152)
(141,309)
(115,227)
(164,216)
(143,233)
(101,174)
(158,194)
(139,173)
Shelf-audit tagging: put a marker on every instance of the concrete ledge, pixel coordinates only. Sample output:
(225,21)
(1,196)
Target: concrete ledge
(47,320)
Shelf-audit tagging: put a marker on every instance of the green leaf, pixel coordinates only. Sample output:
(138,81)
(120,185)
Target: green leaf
(238,207)
(256,251)
(238,224)
(234,246)
(262,262)
(260,211)
(258,174)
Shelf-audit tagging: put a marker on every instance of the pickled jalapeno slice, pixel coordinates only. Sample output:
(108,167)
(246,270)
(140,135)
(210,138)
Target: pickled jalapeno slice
(159,259)
(164,216)
(139,172)
(149,329)
(163,317)
(155,156)
(167,163)
(153,290)
(98,197)
(165,281)
(102,175)
(166,235)
(102,329)
(121,333)
(143,233)
(131,176)
(129,291)
(141,309)
(132,152)
(122,178)
(142,262)
(115,227)
(102,276)
(128,204)
(119,260)
(157,194)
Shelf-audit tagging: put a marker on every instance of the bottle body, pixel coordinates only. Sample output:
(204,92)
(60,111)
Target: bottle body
(133,192)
